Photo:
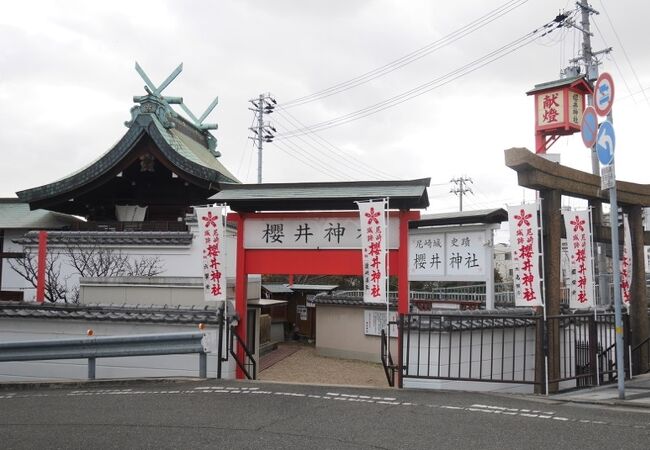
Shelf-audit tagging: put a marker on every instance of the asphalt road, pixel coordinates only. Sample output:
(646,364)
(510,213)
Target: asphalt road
(251,415)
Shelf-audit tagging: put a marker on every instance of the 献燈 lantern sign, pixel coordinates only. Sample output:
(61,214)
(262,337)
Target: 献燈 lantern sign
(558,109)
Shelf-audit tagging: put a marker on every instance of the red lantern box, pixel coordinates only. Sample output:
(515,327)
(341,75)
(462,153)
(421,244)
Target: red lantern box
(558,109)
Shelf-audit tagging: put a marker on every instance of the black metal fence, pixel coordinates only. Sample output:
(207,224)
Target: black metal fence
(587,348)
(509,348)
(496,348)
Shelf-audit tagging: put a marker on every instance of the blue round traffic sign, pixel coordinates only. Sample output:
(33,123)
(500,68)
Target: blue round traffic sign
(605,143)
(589,127)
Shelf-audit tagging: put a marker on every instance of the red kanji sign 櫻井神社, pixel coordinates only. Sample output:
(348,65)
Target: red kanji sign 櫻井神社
(581,274)
(524,240)
(213,252)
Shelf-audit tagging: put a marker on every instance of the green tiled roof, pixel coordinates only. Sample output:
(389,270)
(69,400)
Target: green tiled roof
(482,216)
(558,83)
(182,151)
(408,194)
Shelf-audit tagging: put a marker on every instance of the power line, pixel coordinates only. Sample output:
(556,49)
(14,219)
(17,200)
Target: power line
(410,57)
(361,165)
(618,68)
(241,159)
(319,157)
(433,84)
(306,161)
(618,39)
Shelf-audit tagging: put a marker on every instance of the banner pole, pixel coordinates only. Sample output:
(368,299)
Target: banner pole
(538,208)
(387,263)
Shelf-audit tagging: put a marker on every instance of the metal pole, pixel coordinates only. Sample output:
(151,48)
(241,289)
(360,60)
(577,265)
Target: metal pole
(386,262)
(203,365)
(260,139)
(620,349)
(591,69)
(220,343)
(91,368)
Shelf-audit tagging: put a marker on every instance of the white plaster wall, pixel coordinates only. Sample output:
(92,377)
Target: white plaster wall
(133,367)
(184,291)
(340,333)
(176,261)
(11,281)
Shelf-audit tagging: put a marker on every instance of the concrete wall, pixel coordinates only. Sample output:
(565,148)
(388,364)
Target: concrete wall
(133,367)
(340,333)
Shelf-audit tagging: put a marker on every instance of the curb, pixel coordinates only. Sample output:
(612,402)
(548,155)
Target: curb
(21,386)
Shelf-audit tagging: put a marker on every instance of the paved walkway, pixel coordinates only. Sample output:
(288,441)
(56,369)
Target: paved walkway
(298,363)
(637,394)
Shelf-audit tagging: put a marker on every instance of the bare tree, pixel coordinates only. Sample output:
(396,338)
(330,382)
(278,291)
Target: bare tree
(86,262)
(98,261)
(27,267)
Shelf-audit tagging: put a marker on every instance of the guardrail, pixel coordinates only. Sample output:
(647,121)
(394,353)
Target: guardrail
(107,347)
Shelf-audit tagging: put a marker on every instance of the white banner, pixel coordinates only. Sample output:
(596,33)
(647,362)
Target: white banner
(309,233)
(524,241)
(373,243)
(626,262)
(213,250)
(581,273)
(453,255)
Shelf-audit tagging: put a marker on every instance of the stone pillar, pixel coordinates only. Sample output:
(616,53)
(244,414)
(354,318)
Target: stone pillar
(552,223)
(638,308)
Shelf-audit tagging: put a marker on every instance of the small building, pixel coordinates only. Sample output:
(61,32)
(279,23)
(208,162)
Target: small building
(297,316)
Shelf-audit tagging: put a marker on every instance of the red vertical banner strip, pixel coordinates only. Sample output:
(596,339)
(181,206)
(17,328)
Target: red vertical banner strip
(402,275)
(241,295)
(42,261)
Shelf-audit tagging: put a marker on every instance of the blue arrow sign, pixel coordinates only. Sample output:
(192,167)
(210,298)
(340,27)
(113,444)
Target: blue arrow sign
(605,143)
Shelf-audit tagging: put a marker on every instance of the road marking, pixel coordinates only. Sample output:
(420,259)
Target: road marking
(341,397)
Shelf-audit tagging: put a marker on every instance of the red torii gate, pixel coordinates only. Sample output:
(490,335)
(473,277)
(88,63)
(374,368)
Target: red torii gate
(305,201)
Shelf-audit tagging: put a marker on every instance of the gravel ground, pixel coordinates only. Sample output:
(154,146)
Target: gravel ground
(305,366)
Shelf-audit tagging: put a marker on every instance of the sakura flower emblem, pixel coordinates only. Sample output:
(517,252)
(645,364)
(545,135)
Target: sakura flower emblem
(522,218)
(210,220)
(578,224)
(372,216)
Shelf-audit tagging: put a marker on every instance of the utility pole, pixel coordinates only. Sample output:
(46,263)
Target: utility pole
(460,188)
(263,132)
(590,61)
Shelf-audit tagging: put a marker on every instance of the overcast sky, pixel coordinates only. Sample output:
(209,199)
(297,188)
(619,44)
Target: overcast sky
(67,79)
